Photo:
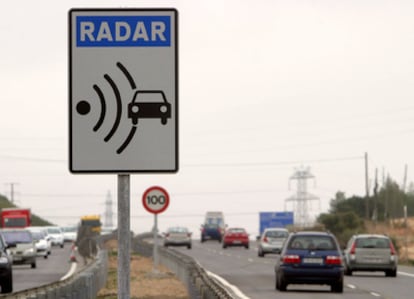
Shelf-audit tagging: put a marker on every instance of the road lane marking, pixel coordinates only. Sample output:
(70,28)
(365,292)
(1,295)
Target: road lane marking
(405,274)
(351,286)
(71,271)
(375,294)
(233,288)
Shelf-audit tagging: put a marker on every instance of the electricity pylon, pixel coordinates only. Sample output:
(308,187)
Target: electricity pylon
(302,198)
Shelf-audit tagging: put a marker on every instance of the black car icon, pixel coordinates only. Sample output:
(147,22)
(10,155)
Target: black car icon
(149,104)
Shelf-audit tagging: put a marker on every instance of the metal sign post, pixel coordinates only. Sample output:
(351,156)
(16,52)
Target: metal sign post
(155,253)
(124,236)
(155,200)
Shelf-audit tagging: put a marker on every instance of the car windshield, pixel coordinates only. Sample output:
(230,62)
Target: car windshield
(70,229)
(214,221)
(13,237)
(312,243)
(372,242)
(276,234)
(178,230)
(148,97)
(37,236)
(53,230)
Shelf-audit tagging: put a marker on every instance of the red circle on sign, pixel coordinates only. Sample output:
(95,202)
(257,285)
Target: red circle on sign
(151,194)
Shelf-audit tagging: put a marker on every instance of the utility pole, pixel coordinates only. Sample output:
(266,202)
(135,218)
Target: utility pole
(366,188)
(404,185)
(375,213)
(12,184)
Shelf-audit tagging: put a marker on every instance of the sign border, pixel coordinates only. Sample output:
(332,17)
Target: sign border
(167,198)
(70,35)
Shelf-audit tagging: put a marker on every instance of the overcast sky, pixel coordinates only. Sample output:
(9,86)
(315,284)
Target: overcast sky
(265,87)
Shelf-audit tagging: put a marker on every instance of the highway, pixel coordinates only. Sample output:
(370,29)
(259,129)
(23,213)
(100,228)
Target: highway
(255,278)
(47,271)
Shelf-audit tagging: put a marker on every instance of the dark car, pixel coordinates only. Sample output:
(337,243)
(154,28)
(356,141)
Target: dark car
(149,104)
(214,226)
(236,236)
(6,270)
(370,252)
(310,258)
(211,231)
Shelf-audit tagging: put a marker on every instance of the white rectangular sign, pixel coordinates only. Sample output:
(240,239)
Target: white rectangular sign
(123,90)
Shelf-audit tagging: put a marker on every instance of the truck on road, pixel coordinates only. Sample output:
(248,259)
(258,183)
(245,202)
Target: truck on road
(15,217)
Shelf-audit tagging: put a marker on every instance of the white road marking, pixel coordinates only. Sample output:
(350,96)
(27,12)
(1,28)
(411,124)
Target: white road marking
(351,286)
(375,294)
(71,271)
(234,289)
(405,274)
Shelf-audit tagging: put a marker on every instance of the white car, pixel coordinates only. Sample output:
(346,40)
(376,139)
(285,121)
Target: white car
(56,234)
(70,233)
(41,243)
(46,237)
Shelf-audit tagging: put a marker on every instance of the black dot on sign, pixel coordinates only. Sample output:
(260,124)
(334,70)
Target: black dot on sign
(83,107)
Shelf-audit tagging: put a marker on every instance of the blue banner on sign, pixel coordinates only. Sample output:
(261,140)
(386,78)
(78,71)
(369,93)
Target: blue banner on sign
(123,31)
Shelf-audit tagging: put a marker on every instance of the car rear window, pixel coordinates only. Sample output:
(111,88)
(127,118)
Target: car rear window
(14,237)
(236,230)
(372,242)
(312,242)
(178,230)
(276,234)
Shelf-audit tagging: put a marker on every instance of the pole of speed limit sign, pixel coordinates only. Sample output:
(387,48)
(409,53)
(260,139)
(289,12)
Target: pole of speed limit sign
(155,201)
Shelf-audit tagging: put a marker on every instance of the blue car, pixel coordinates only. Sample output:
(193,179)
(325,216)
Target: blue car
(310,258)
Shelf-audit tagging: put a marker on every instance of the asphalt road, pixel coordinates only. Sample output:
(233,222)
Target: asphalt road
(255,278)
(47,270)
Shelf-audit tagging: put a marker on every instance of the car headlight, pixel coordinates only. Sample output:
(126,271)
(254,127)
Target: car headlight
(134,109)
(163,108)
(4,260)
(28,251)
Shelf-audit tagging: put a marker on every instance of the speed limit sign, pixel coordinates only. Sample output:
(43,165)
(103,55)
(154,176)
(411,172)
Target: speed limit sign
(155,200)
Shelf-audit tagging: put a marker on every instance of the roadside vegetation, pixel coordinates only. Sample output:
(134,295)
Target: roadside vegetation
(382,212)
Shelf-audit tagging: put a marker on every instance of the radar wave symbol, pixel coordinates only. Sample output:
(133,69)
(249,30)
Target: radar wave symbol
(83,108)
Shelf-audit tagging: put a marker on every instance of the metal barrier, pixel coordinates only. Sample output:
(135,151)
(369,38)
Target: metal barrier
(198,283)
(87,283)
(83,285)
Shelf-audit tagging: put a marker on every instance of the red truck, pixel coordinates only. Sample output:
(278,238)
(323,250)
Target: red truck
(15,217)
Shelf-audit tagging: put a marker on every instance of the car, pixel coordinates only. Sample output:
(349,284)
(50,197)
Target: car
(149,104)
(21,246)
(371,252)
(271,241)
(310,257)
(6,269)
(47,237)
(236,236)
(42,244)
(178,236)
(56,234)
(69,233)
(214,226)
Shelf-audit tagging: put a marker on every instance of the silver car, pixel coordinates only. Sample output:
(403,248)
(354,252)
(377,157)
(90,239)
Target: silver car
(177,236)
(370,252)
(21,246)
(271,241)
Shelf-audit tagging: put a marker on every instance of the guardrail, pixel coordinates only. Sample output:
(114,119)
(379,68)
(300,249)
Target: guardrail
(198,283)
(83,285)
(87,283)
